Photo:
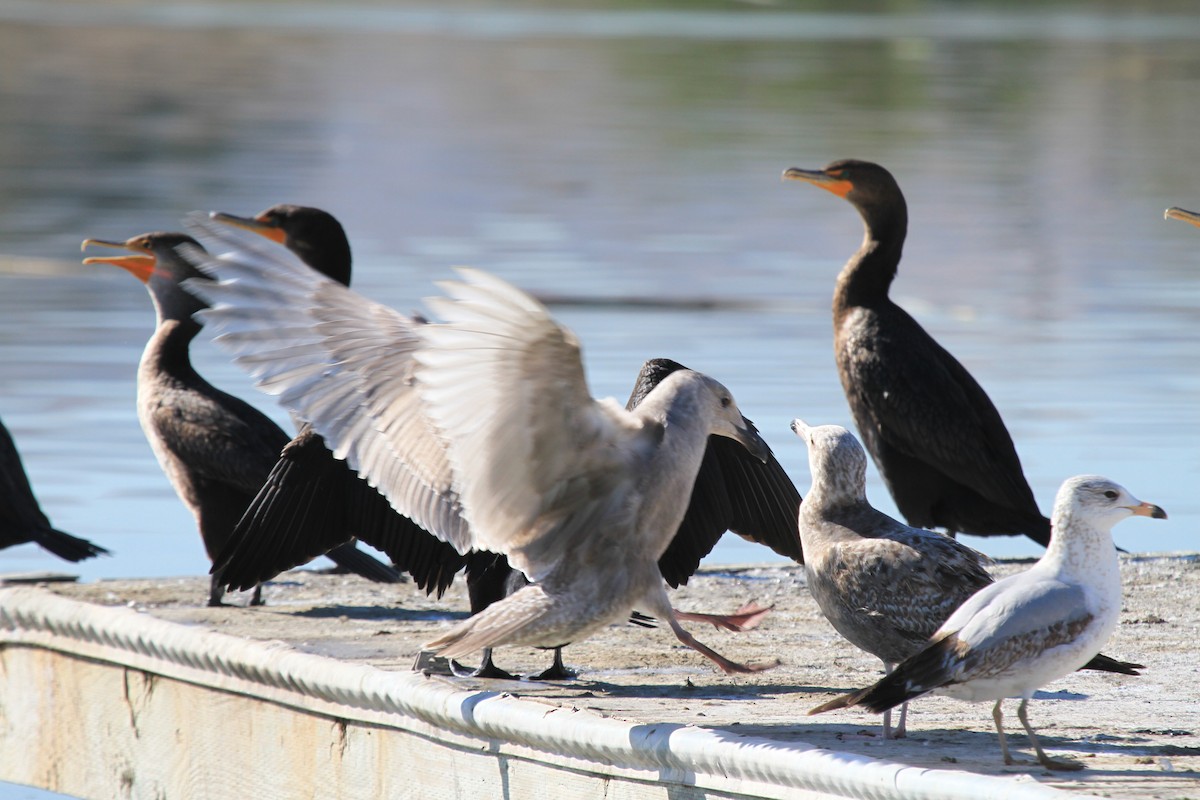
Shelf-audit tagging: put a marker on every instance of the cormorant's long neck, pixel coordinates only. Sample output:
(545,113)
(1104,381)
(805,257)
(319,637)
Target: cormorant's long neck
(169,349)
(868,275)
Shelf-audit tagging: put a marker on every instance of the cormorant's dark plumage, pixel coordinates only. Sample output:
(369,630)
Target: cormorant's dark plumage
(312,503)
(216,449)
(22,519)
(938,441)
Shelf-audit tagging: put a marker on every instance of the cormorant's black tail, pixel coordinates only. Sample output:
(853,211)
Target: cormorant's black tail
(916,675)
(1102,663)
(64,545)
(349,557)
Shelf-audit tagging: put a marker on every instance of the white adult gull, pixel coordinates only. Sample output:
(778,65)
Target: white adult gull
(1018,634)
(884,586)
(481,429)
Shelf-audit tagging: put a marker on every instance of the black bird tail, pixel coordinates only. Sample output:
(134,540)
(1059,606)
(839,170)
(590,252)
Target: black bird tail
(64,545)
(349,557)
(916,675)
(312,504)
(1103,663)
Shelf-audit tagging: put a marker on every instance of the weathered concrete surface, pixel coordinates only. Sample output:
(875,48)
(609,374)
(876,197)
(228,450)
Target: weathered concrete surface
(1140,737)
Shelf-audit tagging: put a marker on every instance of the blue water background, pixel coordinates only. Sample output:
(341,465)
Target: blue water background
(597,151)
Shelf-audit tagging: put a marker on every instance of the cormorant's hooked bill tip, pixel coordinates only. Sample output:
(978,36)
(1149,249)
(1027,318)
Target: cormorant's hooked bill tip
(263,227)
(1175,212)
(830,182)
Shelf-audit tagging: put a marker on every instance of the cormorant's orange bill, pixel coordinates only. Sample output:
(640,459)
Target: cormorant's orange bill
(1148,510)
(829,181)
(141,264)
(1175,212)
(260,225)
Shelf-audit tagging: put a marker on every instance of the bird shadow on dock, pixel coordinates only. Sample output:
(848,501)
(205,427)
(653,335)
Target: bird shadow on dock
(583,688)
(974,750)
(380,613)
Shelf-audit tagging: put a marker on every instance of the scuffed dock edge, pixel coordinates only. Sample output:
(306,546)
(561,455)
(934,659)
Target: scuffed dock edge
(652,755)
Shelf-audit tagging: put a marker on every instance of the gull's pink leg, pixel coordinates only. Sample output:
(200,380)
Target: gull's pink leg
(744,619)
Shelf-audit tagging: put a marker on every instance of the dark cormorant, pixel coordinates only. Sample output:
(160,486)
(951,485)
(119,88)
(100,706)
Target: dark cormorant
(938,441)
(22,519)
(215,448)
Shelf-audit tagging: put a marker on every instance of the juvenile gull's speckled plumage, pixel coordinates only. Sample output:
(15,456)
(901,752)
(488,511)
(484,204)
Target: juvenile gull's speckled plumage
(482,430)
(1020,633)
(884,586)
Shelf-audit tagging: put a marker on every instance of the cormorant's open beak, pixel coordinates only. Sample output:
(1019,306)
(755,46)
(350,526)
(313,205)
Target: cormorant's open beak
(1148,510)
(259,225)
(1175,212)
(818,177)
(141,264)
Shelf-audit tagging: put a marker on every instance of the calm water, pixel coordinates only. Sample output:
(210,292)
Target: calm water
(589,153)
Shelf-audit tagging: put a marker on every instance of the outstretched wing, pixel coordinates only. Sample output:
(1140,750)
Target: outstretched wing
(538,463)
(340,361)
(312,503)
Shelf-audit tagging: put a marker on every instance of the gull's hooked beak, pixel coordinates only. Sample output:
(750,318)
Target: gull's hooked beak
(1147,510)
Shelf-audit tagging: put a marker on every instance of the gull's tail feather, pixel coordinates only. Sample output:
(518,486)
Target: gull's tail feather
(517,619)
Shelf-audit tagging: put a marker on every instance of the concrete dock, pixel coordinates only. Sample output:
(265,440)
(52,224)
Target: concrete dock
(134,689)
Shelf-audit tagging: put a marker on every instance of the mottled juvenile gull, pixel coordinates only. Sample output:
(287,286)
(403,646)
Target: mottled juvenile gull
(1020,633)
(884,586)
(215,449)
(935,436)
(481,429)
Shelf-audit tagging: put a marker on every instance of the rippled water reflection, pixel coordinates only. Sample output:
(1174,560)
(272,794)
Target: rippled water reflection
(601,154)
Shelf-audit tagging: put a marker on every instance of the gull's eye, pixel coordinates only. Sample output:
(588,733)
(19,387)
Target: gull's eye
(725,402)
(1110,494)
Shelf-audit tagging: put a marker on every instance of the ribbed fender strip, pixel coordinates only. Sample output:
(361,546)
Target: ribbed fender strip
(669,752)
